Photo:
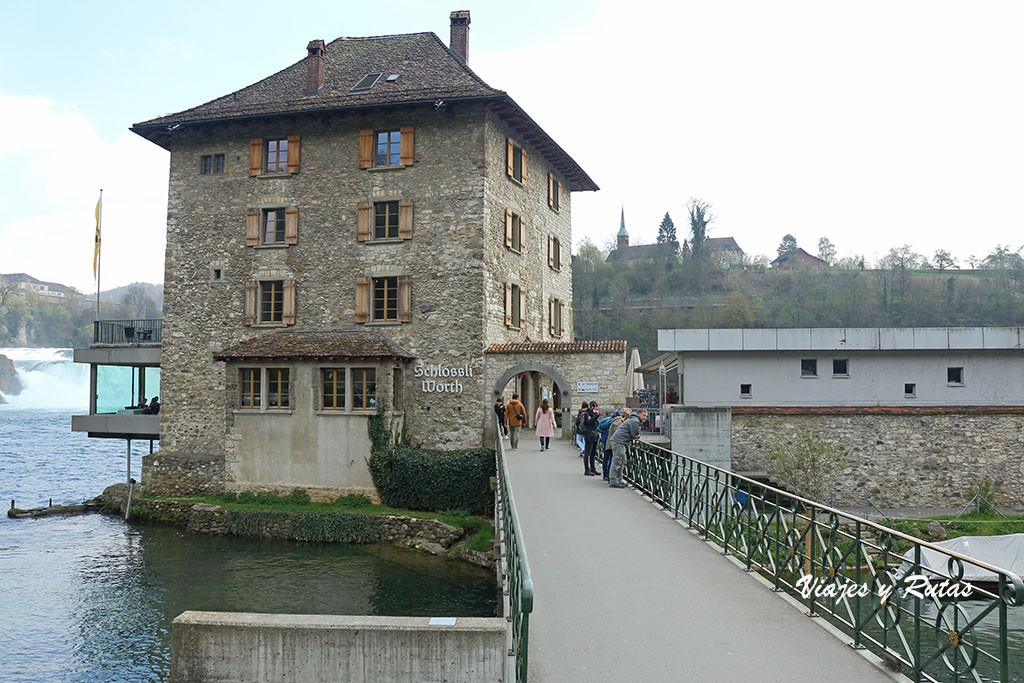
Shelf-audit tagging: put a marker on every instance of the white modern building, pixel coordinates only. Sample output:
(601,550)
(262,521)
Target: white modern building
(852,366)
(924,413)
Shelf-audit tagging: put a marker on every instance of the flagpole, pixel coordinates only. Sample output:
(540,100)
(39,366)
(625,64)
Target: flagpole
(99,222)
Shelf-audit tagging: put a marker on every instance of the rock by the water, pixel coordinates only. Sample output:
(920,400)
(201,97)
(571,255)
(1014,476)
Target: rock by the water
(9,383)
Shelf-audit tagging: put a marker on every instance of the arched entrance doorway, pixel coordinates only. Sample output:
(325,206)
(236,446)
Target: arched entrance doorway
(532,389)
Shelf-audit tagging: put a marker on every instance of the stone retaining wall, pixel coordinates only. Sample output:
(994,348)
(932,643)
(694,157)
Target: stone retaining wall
(204,518)
(169,473)
(916,460)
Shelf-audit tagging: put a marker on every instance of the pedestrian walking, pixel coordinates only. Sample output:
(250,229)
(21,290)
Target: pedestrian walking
(544,421)
(515,414)
(577,427)
(627,432)
(499,410)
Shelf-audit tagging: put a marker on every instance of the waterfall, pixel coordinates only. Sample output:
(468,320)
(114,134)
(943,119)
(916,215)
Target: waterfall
(49,379)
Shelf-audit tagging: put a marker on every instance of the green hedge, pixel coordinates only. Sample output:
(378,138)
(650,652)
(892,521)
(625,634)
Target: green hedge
(422,479)
(326,526)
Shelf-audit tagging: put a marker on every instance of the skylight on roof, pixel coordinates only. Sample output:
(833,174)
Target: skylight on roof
(392,77)
(366,83)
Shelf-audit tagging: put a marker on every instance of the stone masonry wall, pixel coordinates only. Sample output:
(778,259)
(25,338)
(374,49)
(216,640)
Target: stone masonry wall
(608,369)
(903,460)
(206,229)
(167,473)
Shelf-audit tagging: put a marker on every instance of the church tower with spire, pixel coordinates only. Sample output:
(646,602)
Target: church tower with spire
(622,239)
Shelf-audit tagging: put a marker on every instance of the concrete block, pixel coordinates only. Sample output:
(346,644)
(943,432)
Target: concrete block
(760,340)
(796,339)
(252,648)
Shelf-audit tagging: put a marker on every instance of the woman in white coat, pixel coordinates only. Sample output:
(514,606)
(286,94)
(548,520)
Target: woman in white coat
(545,422)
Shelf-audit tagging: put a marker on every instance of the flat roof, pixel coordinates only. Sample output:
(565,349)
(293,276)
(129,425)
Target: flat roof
(842,339)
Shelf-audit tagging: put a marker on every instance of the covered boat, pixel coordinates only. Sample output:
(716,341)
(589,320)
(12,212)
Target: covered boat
(1005,552)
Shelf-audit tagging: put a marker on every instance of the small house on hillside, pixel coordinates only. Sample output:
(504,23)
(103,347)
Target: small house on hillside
(798,258)
(724,250)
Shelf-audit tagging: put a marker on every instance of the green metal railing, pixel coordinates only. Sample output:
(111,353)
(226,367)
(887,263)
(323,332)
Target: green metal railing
(797,544)
(515,568)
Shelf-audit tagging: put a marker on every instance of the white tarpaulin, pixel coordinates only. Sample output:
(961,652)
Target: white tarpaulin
(1005,552)
(634,380)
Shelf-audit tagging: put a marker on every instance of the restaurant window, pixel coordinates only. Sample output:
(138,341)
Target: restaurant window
(554,192)
(277,389)
(364,389)
(515,304)
(554,252)
(332,382)
(249,391)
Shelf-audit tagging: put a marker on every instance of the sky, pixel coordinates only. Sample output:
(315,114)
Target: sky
(875,124)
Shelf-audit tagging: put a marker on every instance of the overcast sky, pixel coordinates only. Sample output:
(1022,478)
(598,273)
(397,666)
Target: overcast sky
(875,124)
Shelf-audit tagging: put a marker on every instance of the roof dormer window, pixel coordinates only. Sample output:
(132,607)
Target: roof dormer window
(366,83)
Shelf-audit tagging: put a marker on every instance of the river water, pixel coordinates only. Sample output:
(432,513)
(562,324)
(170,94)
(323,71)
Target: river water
(91,598)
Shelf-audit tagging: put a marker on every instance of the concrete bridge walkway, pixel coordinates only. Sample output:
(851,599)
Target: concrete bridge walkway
(625,594)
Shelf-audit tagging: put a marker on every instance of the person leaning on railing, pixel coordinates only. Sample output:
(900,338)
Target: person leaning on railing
(627,432)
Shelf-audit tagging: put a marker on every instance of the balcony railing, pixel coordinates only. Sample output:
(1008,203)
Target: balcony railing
(127,331)
(870,581)
(515,568)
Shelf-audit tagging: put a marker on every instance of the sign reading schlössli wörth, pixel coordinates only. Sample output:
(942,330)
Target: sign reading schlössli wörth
(433,377)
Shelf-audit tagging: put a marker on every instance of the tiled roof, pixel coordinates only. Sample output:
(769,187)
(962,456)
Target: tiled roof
(315,342)
(428,73)
(876,410)
(721,244)
(612,346)
(641,251)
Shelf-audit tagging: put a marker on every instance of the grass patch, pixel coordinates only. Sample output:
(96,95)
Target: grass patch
(968,525)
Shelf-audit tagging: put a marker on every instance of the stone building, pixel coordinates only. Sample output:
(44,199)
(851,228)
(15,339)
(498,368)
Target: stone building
(924,413)
(351,235)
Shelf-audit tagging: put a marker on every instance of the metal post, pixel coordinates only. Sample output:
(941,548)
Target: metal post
(129,477)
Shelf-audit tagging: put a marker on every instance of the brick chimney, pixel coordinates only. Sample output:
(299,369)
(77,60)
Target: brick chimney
(459,42)
(314,67)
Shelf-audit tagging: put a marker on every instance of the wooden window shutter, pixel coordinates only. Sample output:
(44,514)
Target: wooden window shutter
(250,302)
(365,148)
(522,308)
(291,225)
(561,318)
(551,252)
(522,235)
(288,311)
(523,174)
(293,153)
(256,156)
(405,147)
(405,219)
(252,227)
(362,299)
(508,304)
(508,228)
(551,190)
(551,317)
(363,221)
(509,154)
(404,298)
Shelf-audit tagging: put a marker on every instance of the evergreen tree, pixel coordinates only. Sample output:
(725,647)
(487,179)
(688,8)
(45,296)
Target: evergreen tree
(667,231)
(787,246)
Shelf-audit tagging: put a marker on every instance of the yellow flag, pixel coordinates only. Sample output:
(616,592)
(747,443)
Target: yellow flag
(96,253)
